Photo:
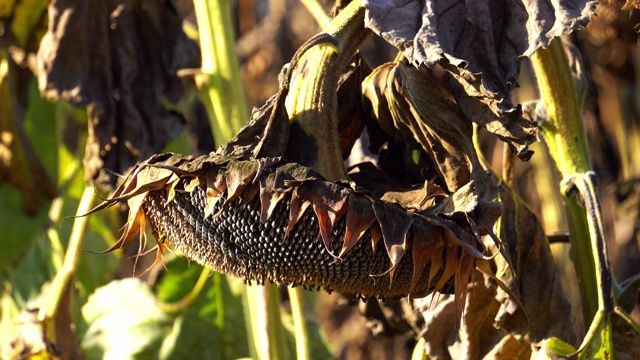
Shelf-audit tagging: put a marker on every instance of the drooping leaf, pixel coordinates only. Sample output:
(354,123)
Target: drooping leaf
(359,218)
(536,284)
(423,249)
(408,105)
(329,206)
(114,45)
(480,45)
(476,336)
(395,224)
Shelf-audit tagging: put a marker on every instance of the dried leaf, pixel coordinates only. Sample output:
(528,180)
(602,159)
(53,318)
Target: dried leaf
(394,224)
(480,45)
(360,217)
(133,226)
(425,242)
(216,188)
(536,284)
(351,117)
(436,124)
(264,136)
(329,205)
(239,174)
(418,112)
(112,44)
(451,261)
(478,333)
(297,206)
(477,336)
(509,348)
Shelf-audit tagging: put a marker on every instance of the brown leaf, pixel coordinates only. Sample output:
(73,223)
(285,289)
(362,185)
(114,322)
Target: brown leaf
(451,263)
(269,201)
(626,339)
(116,72)
(476,336)
(216,188)
(409,106)
(478,333)
(351,117)
(265,135)
(425,241)
(394,223)
(297,206)
(509,348)
(536,284)
(135,224)
(480,45)
(466,266)
(238,175)
(418,197)
(360,217)
(328,201)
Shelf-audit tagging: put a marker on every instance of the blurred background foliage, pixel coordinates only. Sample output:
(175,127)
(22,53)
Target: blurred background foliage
(122,307)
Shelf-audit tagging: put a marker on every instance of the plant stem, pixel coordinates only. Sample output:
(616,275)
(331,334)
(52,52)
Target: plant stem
(317,11)
(275,329)
(565,135)
(219,80)
(63,281)
(222,92)
(296,297)
(312,101)
(265,322)
(181,304)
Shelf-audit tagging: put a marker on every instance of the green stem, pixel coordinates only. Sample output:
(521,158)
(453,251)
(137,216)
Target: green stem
(175,307)
(221,89)
(312,100)
(219,80)
(63,280)
(565,135)
(274,323)
(296,297)
(266,327)
(317,11)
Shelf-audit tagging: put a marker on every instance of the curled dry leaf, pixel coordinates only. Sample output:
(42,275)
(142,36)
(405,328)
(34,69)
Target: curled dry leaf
(507,322)
(408,105)
(125,58)
(480,45)
(478,337)
(536,283)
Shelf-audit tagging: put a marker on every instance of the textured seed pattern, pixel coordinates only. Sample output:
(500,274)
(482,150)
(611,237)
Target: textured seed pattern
(236,242)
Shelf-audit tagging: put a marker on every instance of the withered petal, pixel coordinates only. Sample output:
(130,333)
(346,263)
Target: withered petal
(360,217)
(394,224)
(425,241)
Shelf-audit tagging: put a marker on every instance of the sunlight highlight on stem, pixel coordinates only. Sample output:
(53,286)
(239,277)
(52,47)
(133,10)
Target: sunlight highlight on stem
(565,135)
